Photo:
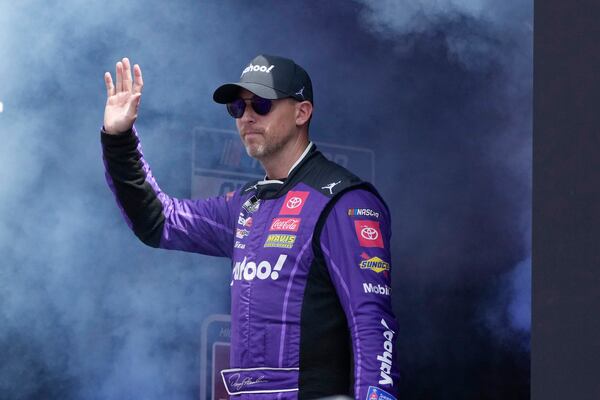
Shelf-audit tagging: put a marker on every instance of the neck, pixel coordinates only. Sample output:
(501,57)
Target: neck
(277,166)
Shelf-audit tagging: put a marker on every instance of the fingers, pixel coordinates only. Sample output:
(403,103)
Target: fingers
(110,88)
(127,81)
(119,77)
(139,82)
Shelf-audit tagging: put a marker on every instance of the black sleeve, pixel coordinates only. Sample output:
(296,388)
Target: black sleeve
(126,175)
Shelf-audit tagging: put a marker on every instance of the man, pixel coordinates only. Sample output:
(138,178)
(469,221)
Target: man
(310,243)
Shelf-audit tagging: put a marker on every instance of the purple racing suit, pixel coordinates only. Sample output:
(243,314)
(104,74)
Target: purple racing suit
(311,314)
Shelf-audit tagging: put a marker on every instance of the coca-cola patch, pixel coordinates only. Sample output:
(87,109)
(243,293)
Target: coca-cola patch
(285,224)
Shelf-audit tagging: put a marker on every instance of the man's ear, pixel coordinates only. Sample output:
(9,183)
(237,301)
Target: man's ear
(303,112)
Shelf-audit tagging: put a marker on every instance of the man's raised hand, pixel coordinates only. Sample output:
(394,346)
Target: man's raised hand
(122,101)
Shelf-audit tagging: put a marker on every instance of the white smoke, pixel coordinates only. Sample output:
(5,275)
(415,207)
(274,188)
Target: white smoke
(481,35)
(520,305)
(86,311)
(455,19)
(84,307)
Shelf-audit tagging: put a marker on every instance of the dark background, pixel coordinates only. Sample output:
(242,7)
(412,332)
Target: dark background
(566,201)
(440,90)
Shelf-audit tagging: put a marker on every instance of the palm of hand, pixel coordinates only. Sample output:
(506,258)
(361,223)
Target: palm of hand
(118,115)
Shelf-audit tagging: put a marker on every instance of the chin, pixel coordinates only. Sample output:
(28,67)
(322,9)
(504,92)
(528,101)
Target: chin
(255,151)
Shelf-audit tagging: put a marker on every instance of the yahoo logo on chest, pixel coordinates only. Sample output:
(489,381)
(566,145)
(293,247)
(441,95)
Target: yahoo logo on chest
(249,270)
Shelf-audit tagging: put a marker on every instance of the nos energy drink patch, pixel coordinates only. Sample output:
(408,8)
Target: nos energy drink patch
(374,393)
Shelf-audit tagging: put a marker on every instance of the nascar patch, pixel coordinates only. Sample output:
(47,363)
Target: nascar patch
(374,393)
(280,240)
(362,212)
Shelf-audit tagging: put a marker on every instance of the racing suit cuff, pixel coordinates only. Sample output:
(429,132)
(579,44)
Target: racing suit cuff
(116,138)
(119,143)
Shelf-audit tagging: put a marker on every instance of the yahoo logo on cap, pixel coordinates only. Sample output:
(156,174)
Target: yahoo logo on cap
(257,68)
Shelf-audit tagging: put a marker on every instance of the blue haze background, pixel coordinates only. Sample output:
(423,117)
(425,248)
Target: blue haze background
(440,90)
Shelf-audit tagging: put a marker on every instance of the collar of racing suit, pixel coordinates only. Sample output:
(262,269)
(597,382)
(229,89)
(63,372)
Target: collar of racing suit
(268,188)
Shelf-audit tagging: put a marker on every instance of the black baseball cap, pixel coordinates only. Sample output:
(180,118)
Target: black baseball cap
(270,77)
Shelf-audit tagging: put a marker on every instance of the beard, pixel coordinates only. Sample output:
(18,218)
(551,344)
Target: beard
(255,150)
(266,148)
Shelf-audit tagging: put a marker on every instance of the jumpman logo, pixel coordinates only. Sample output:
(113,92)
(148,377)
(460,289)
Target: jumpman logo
(330,186)
(299,92)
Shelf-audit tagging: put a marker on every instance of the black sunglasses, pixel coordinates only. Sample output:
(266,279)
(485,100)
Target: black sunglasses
(260,106)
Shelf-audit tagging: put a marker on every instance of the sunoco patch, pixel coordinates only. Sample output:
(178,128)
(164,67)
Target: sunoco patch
(375,264)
